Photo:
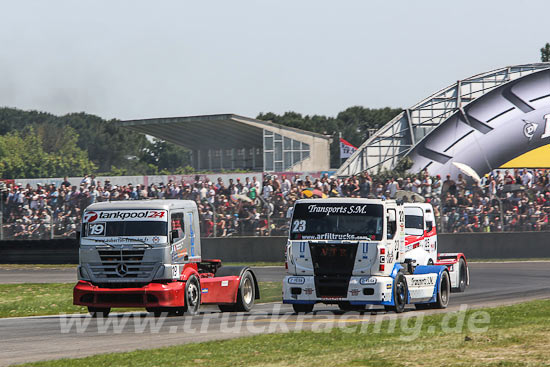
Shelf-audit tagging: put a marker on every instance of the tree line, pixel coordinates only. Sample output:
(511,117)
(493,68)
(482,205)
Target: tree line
(38,144)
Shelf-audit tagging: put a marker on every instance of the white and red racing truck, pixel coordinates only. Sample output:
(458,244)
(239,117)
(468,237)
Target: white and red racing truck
(421,245)
(148,254)
(352,253)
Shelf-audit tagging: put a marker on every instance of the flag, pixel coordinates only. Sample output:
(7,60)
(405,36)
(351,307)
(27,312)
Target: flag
(346,149)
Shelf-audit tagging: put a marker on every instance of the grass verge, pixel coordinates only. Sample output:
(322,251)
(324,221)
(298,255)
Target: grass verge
(516,336)
(34,299)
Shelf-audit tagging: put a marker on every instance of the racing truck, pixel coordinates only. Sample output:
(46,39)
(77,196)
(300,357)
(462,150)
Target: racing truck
(421,245)
(148,254)
(351,252)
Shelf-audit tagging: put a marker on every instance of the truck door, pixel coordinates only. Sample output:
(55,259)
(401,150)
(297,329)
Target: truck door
(392,238)
(179,250)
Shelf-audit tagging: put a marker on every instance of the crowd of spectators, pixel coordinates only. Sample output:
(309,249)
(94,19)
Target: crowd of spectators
(510,200)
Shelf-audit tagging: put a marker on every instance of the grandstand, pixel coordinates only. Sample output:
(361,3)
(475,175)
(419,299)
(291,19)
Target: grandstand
(230,142)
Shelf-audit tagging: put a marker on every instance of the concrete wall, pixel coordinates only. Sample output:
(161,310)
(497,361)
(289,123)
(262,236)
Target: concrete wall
(271,249)
(505,245)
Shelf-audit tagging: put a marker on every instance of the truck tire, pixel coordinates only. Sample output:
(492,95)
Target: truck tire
(302,308)
(99,312)
(246,294)
(192,295)
(443,292)
(400,294)
(462,276)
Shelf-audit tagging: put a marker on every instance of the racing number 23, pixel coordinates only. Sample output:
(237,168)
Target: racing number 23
(299,226)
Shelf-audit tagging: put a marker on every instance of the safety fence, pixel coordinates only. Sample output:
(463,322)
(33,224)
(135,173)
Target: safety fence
(508,245)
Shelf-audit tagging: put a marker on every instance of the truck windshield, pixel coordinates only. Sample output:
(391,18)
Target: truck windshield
(337,221)
(126,228)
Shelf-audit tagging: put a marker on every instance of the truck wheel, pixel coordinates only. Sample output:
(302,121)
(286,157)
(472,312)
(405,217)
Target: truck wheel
(302,308)
(246,294)
(462,276)
(400,293)
(99,312)
(444,291)
(192,295)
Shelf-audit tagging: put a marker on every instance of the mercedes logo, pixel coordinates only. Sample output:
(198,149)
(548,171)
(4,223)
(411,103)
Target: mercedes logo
(122,269)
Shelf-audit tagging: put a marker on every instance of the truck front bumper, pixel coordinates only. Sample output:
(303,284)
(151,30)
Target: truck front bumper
(170,294)
(361,290)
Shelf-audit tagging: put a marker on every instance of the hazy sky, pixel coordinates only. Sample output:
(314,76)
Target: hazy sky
(140,59)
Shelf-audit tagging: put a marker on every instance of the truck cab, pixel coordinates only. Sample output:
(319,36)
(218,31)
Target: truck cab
(420,233)
(421,245)
(351,252)
(148,254)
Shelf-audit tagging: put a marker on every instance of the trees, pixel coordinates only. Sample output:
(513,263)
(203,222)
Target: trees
(37,144)
(78,143)
(22,155)
(545,53)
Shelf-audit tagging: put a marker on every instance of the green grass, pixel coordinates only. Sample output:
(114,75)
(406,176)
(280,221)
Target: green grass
(34,299)
(516,336)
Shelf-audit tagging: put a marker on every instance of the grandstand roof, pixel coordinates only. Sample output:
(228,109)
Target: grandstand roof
(222,131)
(229,142)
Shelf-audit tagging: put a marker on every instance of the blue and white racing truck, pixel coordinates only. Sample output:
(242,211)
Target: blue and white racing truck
(351,252)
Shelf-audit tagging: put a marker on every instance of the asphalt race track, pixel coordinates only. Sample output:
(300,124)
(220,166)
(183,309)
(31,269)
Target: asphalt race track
(50,337)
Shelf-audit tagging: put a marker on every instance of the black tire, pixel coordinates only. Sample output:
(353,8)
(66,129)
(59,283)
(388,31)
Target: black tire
(443,292)
(462,276)
(400,294)
(99,311)
(192,296)
(246,294)
(303,308)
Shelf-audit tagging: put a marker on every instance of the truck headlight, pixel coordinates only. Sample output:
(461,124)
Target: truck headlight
(296,280)
(365,281)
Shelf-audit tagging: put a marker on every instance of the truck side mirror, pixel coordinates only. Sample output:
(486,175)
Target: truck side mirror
(173,235)
(289,213)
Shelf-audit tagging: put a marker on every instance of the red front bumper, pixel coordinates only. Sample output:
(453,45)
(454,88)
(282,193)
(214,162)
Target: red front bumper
(152,295)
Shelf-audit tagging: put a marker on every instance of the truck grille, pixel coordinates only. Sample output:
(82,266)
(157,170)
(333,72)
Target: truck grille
(122,264)
(333,259)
